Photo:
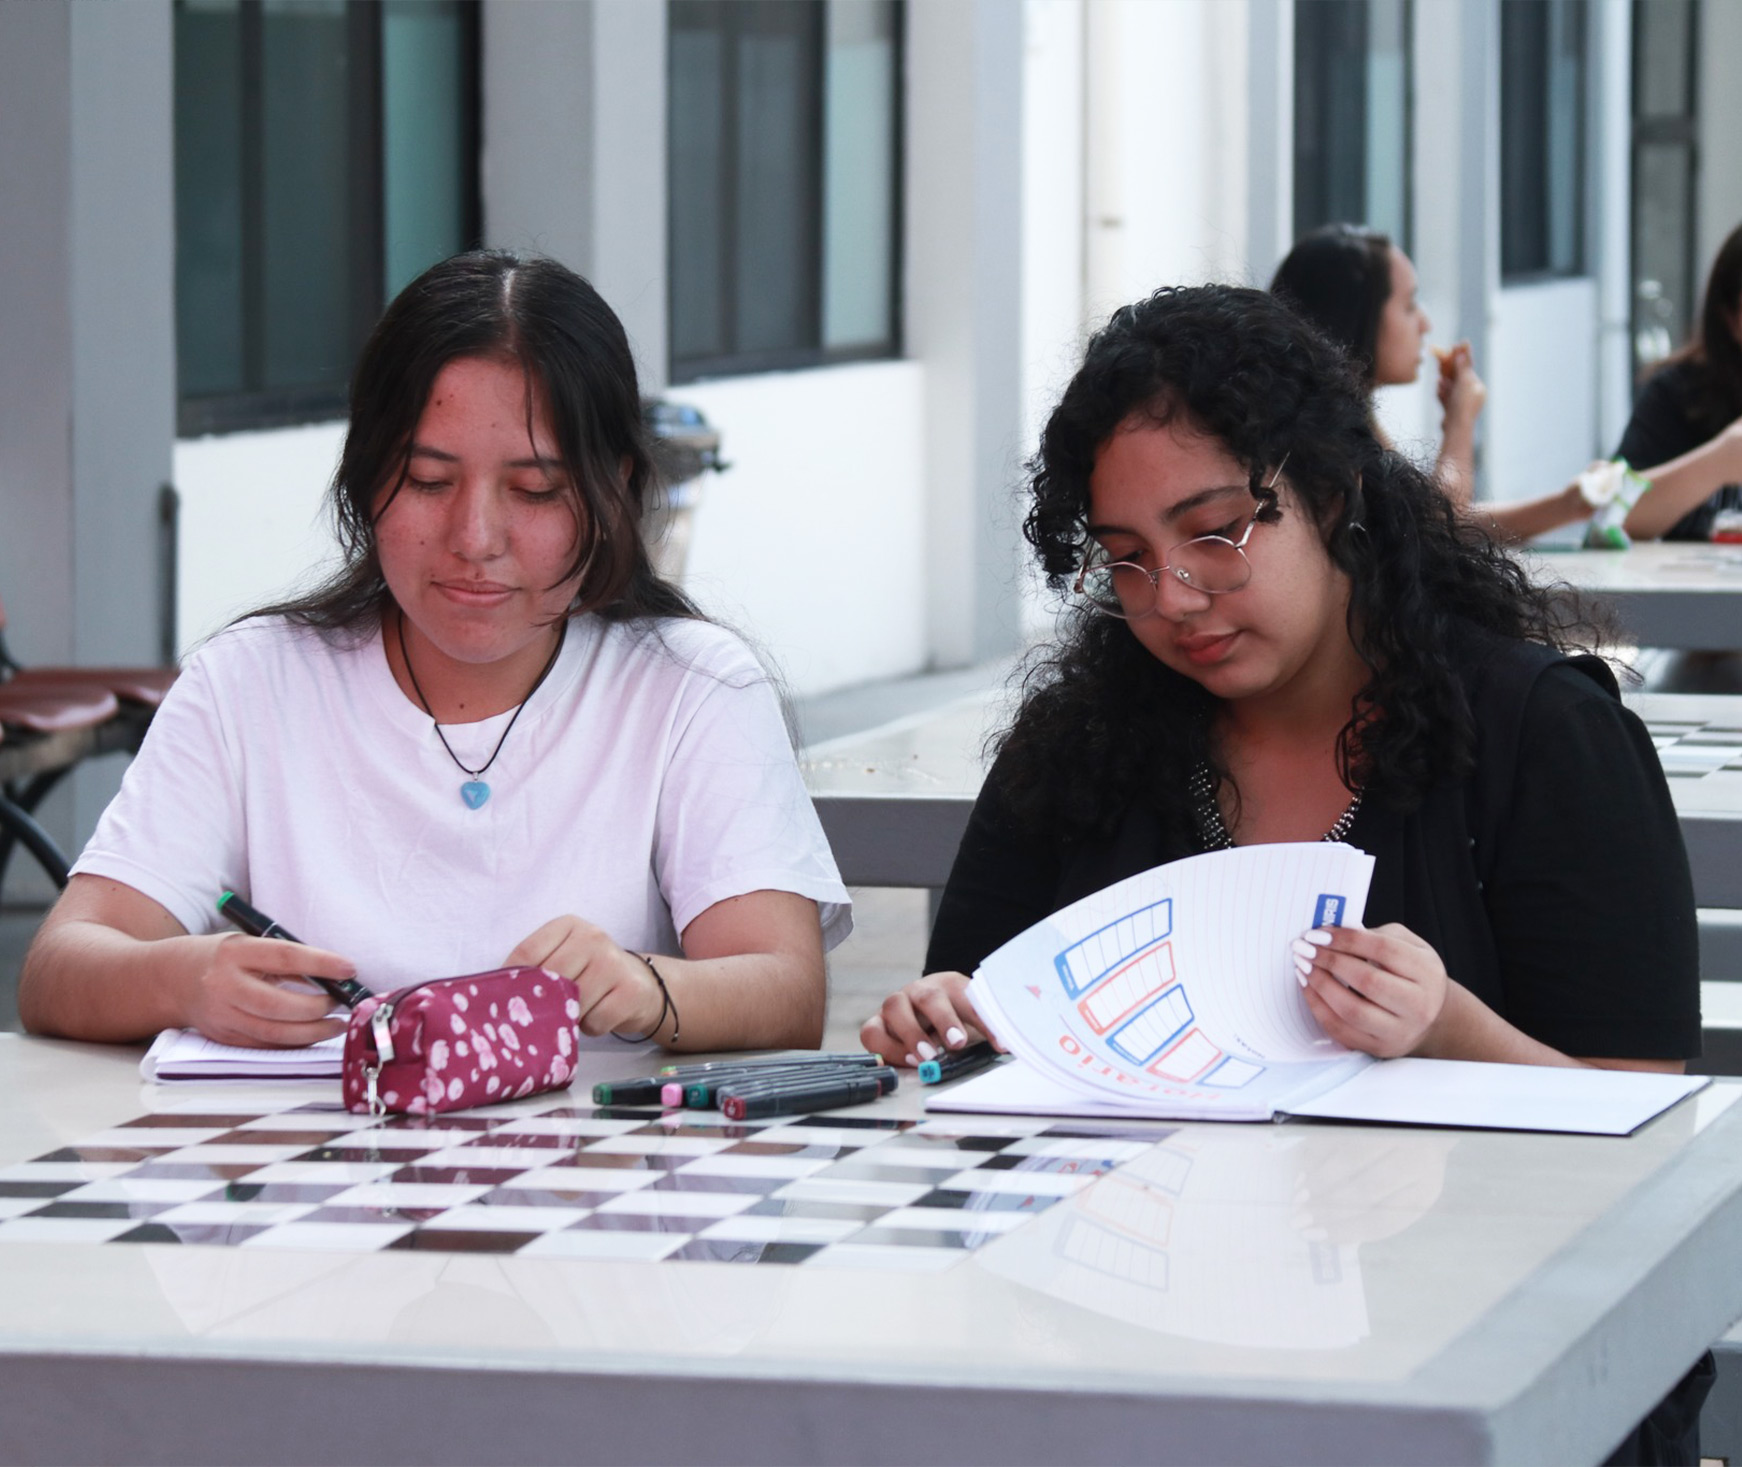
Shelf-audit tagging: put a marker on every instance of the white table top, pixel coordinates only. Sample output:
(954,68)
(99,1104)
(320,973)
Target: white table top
(1665,593)
(895,799)
(1353,1293)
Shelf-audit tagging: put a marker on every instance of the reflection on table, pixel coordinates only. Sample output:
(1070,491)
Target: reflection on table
(1355,1293)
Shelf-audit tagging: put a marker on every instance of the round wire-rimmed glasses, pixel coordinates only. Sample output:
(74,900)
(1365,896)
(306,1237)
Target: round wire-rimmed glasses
(1213,564)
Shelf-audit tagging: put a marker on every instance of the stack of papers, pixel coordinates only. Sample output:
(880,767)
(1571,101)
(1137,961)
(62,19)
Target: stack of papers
(186,1054)
(1173,995)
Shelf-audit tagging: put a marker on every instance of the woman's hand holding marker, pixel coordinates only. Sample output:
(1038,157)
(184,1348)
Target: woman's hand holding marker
(1380,990)
(929,1017)
(617,990)
(251,992)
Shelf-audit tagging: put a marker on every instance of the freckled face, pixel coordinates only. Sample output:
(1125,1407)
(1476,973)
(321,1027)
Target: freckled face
(1403,328)
(1152,489)
(475,544)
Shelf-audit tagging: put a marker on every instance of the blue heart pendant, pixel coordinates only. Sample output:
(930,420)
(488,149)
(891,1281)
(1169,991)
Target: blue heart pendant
(474,792)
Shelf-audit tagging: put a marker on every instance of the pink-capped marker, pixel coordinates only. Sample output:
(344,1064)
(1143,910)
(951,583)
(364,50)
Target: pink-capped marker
(671,1093)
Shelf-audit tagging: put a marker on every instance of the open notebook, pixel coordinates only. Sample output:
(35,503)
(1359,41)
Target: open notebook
(1173,995)
(186,1054)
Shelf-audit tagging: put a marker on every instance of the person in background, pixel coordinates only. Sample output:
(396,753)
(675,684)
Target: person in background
(1360,290)
(1688,418)
(493,737)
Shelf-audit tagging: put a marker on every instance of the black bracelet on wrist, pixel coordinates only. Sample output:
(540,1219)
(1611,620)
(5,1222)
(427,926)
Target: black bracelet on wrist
(666,1006)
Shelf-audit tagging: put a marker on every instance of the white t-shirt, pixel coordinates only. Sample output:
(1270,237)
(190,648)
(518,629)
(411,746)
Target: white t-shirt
(649,777)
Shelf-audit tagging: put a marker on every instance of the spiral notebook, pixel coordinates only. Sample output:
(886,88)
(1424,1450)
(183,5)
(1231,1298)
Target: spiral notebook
(186,1054)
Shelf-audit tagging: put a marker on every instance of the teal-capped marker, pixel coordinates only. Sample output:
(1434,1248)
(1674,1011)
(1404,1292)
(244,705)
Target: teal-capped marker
(970,1061)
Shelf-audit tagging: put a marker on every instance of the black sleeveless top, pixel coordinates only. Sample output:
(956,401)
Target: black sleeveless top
(1551,880)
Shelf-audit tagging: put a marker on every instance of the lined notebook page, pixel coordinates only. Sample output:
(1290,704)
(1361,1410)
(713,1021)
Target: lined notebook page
(186,1054)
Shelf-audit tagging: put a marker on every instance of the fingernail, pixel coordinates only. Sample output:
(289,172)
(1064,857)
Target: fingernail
(954,1037)
(1303,949)
(1301,977)
(1318,937)
(926,1051)
(913,1062)
(1303,966)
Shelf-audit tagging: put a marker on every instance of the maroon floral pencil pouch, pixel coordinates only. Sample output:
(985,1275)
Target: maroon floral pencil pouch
(450,1043)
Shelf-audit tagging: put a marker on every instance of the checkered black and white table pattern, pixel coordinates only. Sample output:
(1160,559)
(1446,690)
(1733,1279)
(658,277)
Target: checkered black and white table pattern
(563,1181)
(1696,750)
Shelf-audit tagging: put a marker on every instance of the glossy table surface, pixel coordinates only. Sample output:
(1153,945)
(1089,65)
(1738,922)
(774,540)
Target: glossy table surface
(1685,595)
(1238,1293)
(895,799)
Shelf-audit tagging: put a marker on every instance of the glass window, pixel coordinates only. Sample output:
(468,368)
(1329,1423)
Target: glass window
(783,181)
(325,153)
(1665,165)
(1542,137)
(1352,115)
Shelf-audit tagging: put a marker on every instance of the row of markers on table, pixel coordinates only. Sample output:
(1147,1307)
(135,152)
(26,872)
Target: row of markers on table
(779,1085)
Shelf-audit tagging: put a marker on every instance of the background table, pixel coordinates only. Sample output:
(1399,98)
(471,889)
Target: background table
(1294,1293)
(895,800)
(1684,595)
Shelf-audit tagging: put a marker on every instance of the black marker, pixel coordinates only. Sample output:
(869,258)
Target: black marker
(256,923)
(970,1061)
(700,1094)
(649,1089)
(796,1099)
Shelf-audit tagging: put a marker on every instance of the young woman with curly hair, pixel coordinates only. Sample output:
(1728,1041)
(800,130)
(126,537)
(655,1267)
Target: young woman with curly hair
(1285,630)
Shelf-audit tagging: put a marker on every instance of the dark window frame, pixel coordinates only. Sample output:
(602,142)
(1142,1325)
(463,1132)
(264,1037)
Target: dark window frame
(1404,239)
(262,408)
(1581,267)
(1657,129)
(706,366)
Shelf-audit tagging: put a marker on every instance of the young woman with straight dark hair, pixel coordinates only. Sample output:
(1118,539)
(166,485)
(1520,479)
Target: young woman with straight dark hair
(493,736)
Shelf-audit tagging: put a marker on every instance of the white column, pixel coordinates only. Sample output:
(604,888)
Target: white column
(963,309)
(574,127)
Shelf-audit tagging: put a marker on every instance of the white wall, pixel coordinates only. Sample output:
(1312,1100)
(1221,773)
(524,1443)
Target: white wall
(251,521)
(1542,400)
(813,541)
(1168,127)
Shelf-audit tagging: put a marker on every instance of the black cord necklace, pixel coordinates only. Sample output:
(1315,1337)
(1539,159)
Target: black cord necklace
(475,791)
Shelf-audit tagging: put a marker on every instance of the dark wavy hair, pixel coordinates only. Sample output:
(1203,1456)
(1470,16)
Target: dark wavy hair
(571,348)
(1339,278)
(1714,350)
(1104,725)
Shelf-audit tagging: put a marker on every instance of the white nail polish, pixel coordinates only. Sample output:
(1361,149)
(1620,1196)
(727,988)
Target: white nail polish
(1303,966)
(913,1062)
(926,1052)
(1301,977)
(1318,937)
(955,1037)
(1303,949)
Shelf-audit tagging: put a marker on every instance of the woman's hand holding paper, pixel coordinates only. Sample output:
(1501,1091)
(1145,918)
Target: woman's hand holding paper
(923,1020)
(1380,990)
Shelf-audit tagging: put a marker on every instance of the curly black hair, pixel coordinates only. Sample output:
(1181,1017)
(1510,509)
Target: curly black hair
(1104,725)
